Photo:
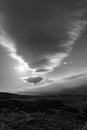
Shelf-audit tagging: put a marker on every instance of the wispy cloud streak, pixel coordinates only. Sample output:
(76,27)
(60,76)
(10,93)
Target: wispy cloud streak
(10,46)
(76,28)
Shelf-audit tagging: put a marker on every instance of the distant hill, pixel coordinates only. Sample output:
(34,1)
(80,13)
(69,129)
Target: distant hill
(74,90)
(6,95)
(80,90)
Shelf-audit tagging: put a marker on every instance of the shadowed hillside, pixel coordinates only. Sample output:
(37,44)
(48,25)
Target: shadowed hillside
(60,112)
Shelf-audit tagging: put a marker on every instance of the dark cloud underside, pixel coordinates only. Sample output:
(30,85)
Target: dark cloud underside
(33,80)
(40,28)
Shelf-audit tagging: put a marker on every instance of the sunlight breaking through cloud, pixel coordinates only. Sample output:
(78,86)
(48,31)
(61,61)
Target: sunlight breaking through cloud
(10,46)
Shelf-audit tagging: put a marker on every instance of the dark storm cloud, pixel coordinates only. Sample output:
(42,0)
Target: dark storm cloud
(43,31)
(33,80)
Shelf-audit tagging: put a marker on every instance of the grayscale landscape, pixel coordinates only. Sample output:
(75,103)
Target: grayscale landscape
(60,112)
(43,64)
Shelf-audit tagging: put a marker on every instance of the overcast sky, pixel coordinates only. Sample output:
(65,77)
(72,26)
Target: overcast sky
(42,43)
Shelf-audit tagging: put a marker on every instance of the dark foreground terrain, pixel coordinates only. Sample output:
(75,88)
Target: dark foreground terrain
(62,112)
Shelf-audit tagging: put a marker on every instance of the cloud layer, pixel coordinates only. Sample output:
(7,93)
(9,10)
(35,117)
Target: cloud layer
(42,33)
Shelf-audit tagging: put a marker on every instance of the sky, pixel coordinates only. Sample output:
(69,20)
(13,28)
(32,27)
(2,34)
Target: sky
(43,44)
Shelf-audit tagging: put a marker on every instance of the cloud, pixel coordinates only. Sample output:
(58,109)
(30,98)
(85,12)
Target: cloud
(42,33)
(50,80)
(41,71)
(74,77)
(33,80)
